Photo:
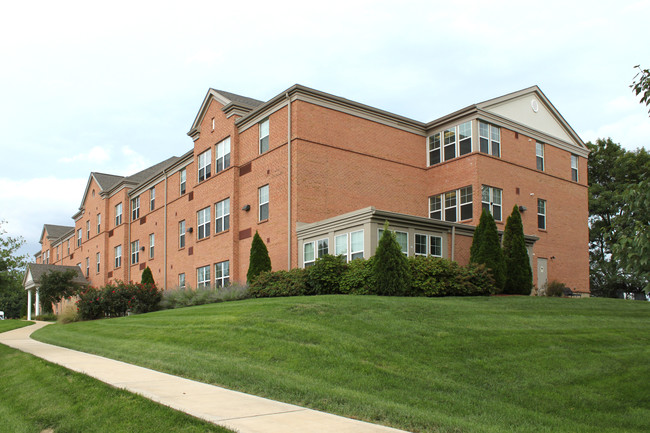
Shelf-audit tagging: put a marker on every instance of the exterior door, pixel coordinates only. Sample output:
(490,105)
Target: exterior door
(541,272)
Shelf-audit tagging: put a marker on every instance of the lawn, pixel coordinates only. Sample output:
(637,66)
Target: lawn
(36,395)
(493,364)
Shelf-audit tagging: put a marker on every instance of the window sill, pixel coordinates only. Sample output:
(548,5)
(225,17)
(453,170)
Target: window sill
(203,239)
(222,232)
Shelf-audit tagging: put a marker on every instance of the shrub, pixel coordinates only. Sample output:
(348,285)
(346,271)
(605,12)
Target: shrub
(280,283)
(324,277)
(486,249)
(434,276)
(89,304)
(117,299)
(147,277)
(68,314)
(391,270)
(359,278)
(259,259)
(519,275)
(555,289)
(46,317)
(188,297)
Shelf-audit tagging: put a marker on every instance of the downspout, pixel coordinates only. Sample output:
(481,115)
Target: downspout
(289,234)
(165,235)
(128,244)
(453,242)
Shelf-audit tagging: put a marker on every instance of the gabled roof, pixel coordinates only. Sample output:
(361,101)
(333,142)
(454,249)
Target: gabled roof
(106,181)
(55,232)
(35,271)
(147,173)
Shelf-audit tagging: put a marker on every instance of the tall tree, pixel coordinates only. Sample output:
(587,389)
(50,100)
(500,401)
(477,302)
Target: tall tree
(390,266)
(612,170)
(519,275)
(259,259)
(486,249)
(642,86)
(13,298)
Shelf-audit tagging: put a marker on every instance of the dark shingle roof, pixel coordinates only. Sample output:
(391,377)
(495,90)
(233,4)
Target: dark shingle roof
(152,171)
(55,232)
(107,181)
(38,270)
(241,100)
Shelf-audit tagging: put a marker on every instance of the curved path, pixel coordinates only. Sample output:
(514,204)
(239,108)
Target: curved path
(241,412)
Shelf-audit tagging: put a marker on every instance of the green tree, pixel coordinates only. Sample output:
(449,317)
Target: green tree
(612,170)
(486,249)
(642,86)
(259,259)
(13,297)
(390,267)
(57,285)
(519,275)
(147,277)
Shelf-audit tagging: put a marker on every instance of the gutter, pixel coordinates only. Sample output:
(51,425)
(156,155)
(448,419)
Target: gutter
(288,181)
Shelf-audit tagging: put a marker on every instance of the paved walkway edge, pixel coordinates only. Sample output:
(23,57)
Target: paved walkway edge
(235,410)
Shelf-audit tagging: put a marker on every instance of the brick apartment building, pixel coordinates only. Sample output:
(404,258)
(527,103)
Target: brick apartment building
(314,173)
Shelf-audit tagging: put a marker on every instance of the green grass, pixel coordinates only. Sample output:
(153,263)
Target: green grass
(8,325)
(36,395)
(497,364)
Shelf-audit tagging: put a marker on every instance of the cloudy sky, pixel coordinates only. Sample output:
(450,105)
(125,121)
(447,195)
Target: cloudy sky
(114,87)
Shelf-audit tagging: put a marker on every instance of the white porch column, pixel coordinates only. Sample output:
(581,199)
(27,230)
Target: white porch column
(29,304)
(37,307)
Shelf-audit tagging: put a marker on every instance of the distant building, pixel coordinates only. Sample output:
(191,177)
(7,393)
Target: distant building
(315,173)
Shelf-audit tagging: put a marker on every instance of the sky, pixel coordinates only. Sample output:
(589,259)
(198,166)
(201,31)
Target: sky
(114,87)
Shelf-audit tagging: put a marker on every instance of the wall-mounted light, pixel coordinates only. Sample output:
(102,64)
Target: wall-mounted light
(141,248)
(522,208)
(189,230)
(552,257)
(246,208)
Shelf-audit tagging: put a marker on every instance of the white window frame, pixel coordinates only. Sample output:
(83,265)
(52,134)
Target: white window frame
(435,207)
(203,223)
(183,181)
(401,233)
(263,194)
(490,136)
(118,256)
(222,274)
(440,204)
(322,247)
(68,246)
(118,214)
(449,140)
(574,168)
(338,251)
(79,237)
(265,133)
(490,204)
(539,156)
(466,199)
(152,198)
(135,252)
(358,253)
(135,208)
(204,165)
(222,216)
(98,259)
(203,276)
(429,245)
(181,280)
(181,234)
(222,152)
(87,267)
(152,245)
(418,244)
(541,214)
(308,260)
(99,223)
(451,204)
(88,230)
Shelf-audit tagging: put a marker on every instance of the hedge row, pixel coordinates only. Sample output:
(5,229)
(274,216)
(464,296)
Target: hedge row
(429,276)
(118,299)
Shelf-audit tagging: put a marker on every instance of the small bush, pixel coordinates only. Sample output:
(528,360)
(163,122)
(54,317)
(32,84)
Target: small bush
(118,299)
(555,289)
(359,278)
(89,304)
(434,276)
(46,317)
(280,283)
(68,314)
(391,267)
(188,297)
(259,260)
(324,278)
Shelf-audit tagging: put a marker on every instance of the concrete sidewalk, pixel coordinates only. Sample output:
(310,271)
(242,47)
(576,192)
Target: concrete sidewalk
(235,410)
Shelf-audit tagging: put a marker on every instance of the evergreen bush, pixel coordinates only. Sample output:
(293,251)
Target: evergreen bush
(519,275)
(359,278)
(390,269)
(147,277)
(259,259)
(324,277)
(435,276)
(486,249)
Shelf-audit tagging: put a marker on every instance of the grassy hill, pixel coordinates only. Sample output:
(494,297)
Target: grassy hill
(497,364)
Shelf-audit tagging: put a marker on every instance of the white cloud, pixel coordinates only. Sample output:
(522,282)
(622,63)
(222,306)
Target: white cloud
(96,155)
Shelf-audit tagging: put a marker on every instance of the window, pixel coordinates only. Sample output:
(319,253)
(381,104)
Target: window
(452,212)
(152,242)
(152,198)
(356,245)
(457,142)
(264,136)
(87,267)
(57,252)
(308,256)
(401,238)
(181,234)
(87,229)
(539,151)
(213,123)
(135,252)
(98,260)
(223,155)
(264,202)
(222,274)
(203,223)
(222,212)
(323,247)
(205,164)
(79,236)
(118,256)
(118,214)
(203,276)
(99,223)
(183,181)
(574,168)
(489,137)
(68,246)
(541,214)
(181,280)
(341,246)
(491,199)
(135,208)
(428,245)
